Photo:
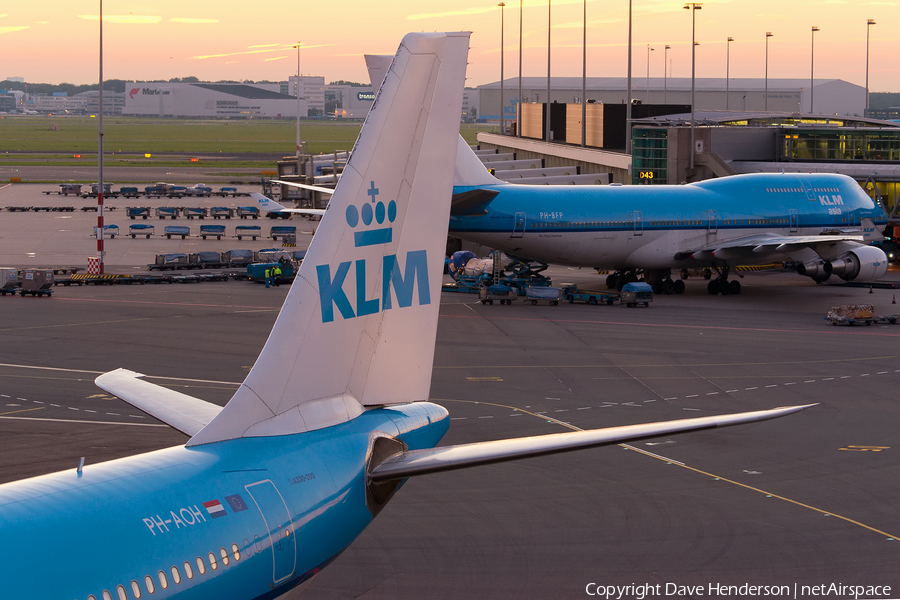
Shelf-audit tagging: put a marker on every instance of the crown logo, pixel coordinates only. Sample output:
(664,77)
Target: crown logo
(372,211)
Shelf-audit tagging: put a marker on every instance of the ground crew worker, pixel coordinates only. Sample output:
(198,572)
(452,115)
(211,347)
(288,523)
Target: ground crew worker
(276,275)
(268,276)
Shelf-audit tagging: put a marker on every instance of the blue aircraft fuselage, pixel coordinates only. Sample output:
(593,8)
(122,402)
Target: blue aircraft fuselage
(248,518)
(646,226)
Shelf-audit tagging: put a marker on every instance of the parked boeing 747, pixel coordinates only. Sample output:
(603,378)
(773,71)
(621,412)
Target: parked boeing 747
(327,425)
(822,222)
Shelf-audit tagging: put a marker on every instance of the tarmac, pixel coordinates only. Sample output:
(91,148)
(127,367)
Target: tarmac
(806,500)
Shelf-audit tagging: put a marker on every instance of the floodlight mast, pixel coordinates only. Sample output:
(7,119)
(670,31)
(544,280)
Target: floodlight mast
(100,250)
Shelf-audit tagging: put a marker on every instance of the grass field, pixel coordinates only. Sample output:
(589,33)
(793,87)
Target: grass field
(57,139)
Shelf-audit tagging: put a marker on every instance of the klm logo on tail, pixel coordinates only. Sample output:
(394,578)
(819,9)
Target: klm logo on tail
(404,280)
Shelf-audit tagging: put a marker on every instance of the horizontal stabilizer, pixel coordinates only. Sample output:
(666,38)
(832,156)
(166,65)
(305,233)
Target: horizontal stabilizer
(434,460)
(185,413)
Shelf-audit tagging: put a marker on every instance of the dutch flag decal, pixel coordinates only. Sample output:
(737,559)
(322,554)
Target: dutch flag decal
(215,509)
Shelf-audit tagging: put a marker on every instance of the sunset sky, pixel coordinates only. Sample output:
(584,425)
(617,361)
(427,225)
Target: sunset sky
(54,41)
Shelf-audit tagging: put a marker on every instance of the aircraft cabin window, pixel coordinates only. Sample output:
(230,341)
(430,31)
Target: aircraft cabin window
(201,567)
(107,595)
(148,583)
(224,557)
(176,575)
(188,570)
(92,597)
(163,580)
(236,552)
(136,589)
(120,590)
(212,561)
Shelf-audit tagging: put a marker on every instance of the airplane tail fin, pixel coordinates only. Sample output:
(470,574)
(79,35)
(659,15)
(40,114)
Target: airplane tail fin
(871,233)
(267,205)
(470,171)
(359,324)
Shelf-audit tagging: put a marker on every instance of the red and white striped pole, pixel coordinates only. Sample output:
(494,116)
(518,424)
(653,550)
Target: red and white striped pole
(100,250)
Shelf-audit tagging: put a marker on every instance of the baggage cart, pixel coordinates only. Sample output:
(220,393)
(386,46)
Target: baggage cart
(107,190)
(176,230)
(37,282)
(172,261)
(191,212)
(851,314)
(68,189)
(503,293)
(205,260)
(636,293)
(251,231)
(282,231)
(212,230)
(221,212)
(9,280)
(141,229)
(132,212)
(271,255)
(167,211)
(550,295)
(109,231)
(176,191)
(248,211)
(130,192)
(572,294)
(235,258)
(227,191)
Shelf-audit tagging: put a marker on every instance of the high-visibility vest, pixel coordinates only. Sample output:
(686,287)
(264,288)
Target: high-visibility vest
(268,273)
(277,271)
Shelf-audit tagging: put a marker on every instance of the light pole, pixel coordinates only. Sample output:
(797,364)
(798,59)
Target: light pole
(812,64)
(869,23)
(502,107)
(666,74)
(768,35)
(628,92)
(584,76)
(101,252)
(728,71)
(548,70)
(649,50)
(519,101)
(693,7)
(297,46)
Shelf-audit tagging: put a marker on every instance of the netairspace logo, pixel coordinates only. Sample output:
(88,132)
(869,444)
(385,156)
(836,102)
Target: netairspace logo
(403,279)
(713,590)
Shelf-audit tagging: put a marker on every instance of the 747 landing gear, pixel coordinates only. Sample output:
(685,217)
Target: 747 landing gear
(721,285)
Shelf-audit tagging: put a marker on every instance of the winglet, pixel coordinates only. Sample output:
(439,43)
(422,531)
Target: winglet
(359,324)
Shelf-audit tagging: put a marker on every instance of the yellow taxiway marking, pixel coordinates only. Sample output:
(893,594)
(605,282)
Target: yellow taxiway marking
(684,466)
(12,412)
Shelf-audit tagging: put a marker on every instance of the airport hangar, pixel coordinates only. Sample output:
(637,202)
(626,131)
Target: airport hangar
(211,100)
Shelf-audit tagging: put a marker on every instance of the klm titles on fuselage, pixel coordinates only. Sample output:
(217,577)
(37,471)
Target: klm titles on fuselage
(404,280)
(835,200)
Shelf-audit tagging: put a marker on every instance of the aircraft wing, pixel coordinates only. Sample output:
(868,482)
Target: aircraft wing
(185,413)
(767,243)
(434,460)
(314,188)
